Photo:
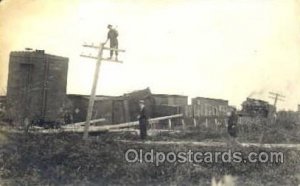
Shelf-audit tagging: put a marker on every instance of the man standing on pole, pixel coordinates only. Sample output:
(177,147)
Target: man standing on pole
(112,36)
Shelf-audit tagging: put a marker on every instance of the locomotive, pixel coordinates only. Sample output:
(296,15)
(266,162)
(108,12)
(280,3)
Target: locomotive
(257,108)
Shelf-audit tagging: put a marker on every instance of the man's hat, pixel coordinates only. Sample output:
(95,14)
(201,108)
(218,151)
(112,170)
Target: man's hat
(108,26)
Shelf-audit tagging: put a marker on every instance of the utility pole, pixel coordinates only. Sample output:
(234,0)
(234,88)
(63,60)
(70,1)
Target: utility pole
(99,59)
(277,97)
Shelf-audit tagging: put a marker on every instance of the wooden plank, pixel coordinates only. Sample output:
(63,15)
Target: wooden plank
(108,127)
(79,124)
(136,123)
(114,49)
(165,117)
(110,60)
(88,56)
(91,46)
(105,48)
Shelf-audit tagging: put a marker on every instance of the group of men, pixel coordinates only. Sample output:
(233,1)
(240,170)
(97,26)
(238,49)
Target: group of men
(231,124)
(112,36)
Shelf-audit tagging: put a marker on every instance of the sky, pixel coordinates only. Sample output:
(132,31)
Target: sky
(227,49)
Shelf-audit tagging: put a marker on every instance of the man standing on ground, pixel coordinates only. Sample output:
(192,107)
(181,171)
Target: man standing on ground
(232,126)
(143,120)
(112,36)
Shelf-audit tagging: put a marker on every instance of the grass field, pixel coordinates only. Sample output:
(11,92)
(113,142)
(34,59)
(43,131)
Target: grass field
(64,159)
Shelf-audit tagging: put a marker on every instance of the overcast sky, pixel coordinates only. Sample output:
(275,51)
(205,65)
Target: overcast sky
(227,49)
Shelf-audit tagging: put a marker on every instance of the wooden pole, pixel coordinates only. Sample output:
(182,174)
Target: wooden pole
(277,97)
(93,93)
